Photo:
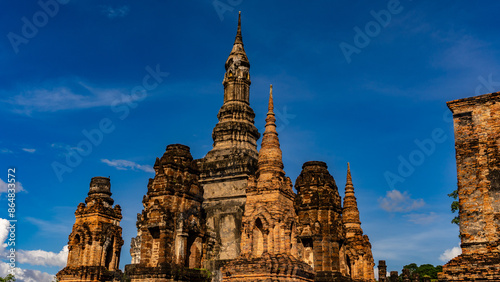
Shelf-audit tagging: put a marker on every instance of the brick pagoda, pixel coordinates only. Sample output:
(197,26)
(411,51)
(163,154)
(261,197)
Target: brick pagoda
(96,240)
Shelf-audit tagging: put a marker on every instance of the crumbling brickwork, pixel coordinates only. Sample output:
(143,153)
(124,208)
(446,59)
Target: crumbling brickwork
(171,227)
(96,240)
(477,145)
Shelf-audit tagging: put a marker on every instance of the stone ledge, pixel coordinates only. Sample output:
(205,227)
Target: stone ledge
(136,272)
(89,273)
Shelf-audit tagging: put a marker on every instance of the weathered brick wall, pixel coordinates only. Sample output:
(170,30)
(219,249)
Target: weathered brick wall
(477,144)
(477,131)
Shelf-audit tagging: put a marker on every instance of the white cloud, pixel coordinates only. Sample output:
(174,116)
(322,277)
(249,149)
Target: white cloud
(118,12)
(395,201)
(4,232)
(448,254)
(40,257)
(422,218)
(4,187)
(126,165)
(26,275)
(37,257)
(29,150)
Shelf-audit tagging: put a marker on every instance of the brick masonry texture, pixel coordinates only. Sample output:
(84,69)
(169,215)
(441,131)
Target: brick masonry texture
(477,144)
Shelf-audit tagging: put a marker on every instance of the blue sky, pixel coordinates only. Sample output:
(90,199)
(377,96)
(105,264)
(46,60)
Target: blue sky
(73,69)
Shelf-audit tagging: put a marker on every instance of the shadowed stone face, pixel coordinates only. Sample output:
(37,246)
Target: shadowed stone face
(319,213)
(171,228)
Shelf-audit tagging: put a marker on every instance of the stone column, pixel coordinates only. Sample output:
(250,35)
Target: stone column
(382,271)
(394,276)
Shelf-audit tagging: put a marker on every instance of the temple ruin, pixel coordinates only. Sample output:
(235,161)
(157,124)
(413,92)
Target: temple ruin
(232,215)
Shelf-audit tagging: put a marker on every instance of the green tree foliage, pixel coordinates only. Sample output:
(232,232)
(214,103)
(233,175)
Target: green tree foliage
(8,278)
(412,267)
(454,206)
(424,270)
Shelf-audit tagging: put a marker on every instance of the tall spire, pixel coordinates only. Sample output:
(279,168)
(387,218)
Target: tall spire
(270,155)
(237,77)
(235,128)
(350,210)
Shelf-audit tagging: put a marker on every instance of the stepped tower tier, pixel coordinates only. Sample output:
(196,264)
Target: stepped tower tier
(96,240)
(320,229)
(233,159)
(357,250)
(269,245)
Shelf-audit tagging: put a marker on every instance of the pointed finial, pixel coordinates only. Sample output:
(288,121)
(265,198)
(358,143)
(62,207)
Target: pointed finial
(271,103)
(349,178)
(239,38)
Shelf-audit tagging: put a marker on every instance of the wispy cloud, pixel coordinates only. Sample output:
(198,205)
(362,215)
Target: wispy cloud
(5,151)
(29,150)
(65,148)
(127,165)
(49,227)
(448,254)
(4,187)
(422,218)
(469,49)
(395,201)
(118,12)
(69,96)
